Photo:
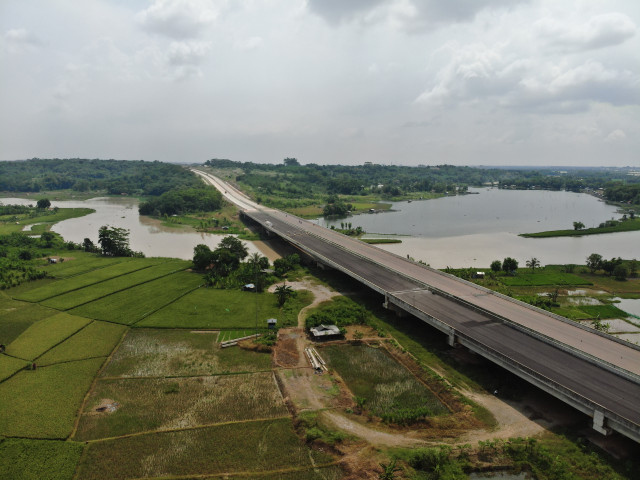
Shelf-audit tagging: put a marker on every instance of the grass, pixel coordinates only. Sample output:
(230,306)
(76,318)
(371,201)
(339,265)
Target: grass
(44,403)
(9,366)
(133,304)
(45,334)
(80,263)
(95,340)
(147,352)
(374,241)
(166,404)
(252,447)
(227,309)
(542,277)
(22,459)
(49,217)
(622,226)
(88,294)
(16,317)
(233,334)
(390,390)
(89,278)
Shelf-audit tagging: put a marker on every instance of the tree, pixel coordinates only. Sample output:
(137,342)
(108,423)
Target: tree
(609,266)
(114,241)
(202,257)
(496,266)
(509,265)
(291,162)
(578,225)
(283,292)
(47,239)
(88,245)
(633,268)
(621,272)
(43,203)
(594,262)
(533,263)
(235,246)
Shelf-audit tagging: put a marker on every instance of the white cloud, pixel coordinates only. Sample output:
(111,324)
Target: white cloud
(180,19)
(187,53)
(250,43)
(616,136)
(598,32)
(20,39)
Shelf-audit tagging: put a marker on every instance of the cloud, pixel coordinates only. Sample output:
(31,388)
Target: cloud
(600,31)
(250,43)
(187,53)
(19,40)
(615,136)
(337,11)
(180,19)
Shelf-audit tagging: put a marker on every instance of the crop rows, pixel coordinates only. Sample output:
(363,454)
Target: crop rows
(16,317)
(81,265)
(9,366)
(93,292)
(38,459)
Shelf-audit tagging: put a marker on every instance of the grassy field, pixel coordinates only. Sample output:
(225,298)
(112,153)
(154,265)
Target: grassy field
(233,334)
(16,317)
(169,403)
(374,241)
(45,334)
(9,225)
(227,309)
(390,390)
(88,294)
(146,352)
(89,278)
(95,340)
(543,277)
(131,305)
(44,403)
(9,366)
(260,447)
(22,459)
(623,226)
(80,263)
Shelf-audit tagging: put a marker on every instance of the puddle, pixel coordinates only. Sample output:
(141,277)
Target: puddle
(629,305)
(581,301)
(586,291)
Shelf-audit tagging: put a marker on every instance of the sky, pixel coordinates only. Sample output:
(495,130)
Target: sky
(402,82)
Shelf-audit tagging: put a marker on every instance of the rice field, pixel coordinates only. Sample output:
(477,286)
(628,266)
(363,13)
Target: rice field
(257,447)
(93,292)
(155,353)
(131,305)
(16,317)
(22,459)
(150,404)
(97,339)
(45,334)
(390,390)
(99,275)
(9,366)
(81,263)
(44,403)
(226,335)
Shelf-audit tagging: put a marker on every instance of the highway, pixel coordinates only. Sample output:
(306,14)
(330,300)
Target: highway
(589,370)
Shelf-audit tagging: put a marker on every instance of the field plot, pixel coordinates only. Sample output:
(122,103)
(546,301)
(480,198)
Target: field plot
(324,473)
(542,278)
(44,403)
(9,366)
(390,390)
(16,317)
(45,334)
(81,263)
(226,335)
(93,292)
(150,404)
(22,459)
(95,340)
(227,309)
(154,353)
(133,304)
(260,447)
(80,281)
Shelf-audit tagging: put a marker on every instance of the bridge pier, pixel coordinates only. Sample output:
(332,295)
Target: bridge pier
(599,423)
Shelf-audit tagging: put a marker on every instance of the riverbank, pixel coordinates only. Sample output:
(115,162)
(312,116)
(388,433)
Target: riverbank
(628,225)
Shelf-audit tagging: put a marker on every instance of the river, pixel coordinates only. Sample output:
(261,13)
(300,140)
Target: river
(146,234)
(473,230)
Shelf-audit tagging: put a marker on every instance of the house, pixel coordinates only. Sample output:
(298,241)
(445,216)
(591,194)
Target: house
(271,323)
(325,331)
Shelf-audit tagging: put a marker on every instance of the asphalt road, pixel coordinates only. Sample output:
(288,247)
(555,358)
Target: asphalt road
(405,280)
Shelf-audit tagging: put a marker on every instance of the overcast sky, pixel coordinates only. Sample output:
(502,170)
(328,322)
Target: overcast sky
(467,82)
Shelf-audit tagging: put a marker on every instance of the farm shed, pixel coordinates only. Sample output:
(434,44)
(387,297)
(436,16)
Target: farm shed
(271,322)
(325,330)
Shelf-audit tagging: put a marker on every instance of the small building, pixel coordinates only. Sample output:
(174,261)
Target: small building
(325,331)
(53,260)
(249,287)
(272,323)
(478,275)
(225,228)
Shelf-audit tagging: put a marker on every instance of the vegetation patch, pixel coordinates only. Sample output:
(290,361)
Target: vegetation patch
(543,277)
(16,317)
(145,405)
(133,304)
(22,459)
(45,334)
(80,281)
(94,292)
(340,311)
(81,263)
(15,223)
(44,403)
(226,335)
(374,241)
(627,225)
(253,447)
(388,389)
(147,353)
(9,366)
(95,340)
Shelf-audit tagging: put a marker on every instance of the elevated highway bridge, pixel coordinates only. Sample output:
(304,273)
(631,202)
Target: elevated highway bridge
(591,371)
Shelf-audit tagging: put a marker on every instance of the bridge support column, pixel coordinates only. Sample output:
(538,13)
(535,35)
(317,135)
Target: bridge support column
(394,308)
(452,338)
(599,421)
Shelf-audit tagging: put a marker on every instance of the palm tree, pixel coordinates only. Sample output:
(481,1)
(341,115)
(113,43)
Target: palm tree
(533,263)
(283,292)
